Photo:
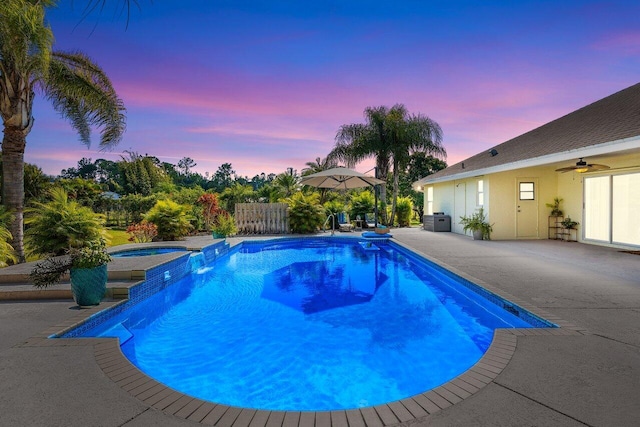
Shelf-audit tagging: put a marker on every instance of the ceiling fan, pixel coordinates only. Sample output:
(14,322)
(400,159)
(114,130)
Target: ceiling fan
(582,166)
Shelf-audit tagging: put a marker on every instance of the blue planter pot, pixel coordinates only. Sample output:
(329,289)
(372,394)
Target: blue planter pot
(89,285)
(218,235)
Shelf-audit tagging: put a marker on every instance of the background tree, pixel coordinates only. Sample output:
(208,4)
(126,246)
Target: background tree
(237,193)
(390,135)
(186,164)
(141,174)
(320,165)
(78,89)
(223,178)
(420,165)
(287,183)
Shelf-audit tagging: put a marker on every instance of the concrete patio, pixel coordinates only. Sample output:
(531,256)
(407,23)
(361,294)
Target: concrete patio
(588,378)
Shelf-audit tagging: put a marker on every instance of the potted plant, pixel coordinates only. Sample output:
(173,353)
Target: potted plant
(555,207)
(87,267)
(568,223)
(478,225)
(70,238)
(224,226)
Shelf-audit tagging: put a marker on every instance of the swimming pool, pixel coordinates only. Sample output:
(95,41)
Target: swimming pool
(311,324)
(146,252)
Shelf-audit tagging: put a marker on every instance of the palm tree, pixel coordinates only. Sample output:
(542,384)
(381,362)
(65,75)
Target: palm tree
(287,183)
(78,89)
(318,166)
(390,135)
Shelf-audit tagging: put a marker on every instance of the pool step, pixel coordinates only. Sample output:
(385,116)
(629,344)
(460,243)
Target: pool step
(118,331)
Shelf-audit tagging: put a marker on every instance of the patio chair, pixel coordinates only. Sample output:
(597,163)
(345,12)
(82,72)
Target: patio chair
(343,222)
(370,220)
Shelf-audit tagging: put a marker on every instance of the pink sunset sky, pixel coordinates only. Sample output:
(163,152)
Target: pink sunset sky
(266,85)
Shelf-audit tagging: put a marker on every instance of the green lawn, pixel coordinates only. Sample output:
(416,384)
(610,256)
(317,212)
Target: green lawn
(117,237)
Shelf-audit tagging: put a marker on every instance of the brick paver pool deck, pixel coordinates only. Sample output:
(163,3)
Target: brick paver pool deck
(585,373)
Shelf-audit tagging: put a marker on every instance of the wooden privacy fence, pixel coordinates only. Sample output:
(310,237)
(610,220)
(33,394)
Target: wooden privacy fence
(262,218)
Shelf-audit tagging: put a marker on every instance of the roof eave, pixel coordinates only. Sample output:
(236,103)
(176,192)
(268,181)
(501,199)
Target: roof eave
(594,150)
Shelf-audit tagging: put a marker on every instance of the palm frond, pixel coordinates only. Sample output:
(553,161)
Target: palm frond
(82,93)
(25,39)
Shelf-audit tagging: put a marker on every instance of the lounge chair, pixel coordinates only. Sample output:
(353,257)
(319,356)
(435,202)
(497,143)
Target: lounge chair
(370,220)
(343,222)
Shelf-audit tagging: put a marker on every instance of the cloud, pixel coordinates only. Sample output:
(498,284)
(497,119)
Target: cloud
(625,43)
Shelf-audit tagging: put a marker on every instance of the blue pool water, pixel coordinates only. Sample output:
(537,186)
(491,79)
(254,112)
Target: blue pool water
(146,252)
(310,324)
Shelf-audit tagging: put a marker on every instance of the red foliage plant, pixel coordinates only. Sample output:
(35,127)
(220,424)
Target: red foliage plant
(210,208)
(142,232)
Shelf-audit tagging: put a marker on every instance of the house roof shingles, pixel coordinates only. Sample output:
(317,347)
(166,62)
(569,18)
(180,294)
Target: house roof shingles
(610,119)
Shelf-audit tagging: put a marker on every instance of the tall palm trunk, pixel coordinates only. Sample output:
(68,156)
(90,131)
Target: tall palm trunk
(395,191)
(382,164)
(13,145)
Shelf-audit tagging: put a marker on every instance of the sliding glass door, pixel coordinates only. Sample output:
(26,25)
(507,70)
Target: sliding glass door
(612,208)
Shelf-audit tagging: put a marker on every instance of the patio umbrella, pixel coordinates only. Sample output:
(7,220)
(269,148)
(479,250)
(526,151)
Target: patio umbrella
(343,179)
(340,179)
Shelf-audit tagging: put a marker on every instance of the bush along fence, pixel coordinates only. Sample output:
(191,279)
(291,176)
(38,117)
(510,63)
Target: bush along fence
(262,218)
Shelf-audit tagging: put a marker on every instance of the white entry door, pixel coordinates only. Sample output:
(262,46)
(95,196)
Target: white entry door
(527,208)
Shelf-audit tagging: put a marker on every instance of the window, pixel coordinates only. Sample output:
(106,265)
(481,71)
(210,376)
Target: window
(527,191)
(480,192)
(430,201)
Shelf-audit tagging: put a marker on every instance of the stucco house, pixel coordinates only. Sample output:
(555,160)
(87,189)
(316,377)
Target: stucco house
(514,181)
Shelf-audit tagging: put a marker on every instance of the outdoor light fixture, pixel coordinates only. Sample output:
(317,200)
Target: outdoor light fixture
(493,152)
(582,166)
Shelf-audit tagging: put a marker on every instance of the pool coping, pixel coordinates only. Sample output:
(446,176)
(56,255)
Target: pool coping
(129,378)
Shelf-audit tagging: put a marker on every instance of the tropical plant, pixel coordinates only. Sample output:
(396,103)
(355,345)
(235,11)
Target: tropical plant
(171,218)
(332,207)
(306,214)
(555,207)
(60,225)
(78,89)
(224,225)
(362,204)
(390,135)
(477,222)
(404,210)
(142,232)
(6,250)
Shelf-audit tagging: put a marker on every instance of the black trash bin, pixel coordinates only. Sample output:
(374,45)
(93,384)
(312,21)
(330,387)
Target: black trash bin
(437,222)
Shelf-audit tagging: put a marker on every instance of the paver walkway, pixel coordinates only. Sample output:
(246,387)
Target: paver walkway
(591,379)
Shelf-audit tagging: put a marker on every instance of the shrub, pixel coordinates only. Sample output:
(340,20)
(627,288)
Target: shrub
(225,225)
(142,232)
(362,204)
(306,214)
(57,226)
(404,209)
(210,209)
(171,219)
